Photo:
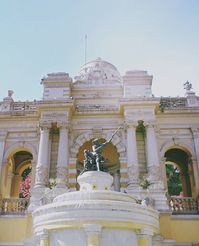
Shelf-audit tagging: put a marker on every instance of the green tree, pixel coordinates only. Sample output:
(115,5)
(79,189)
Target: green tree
(173,180)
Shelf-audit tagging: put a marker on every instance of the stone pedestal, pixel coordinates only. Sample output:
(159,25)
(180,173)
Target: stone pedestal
(95,180)
(36,198)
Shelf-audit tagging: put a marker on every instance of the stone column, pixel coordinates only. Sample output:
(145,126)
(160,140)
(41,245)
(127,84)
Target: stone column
(8,189)
(153,165)
(33,164)
(145,237)
(42,169)
(154,168)
(116,177)
(193,162)
(163,166)
(63,156)
(16,185)
(2,144)
(195,133)
(132,157)
(93,232)
(157,240)
(44,238)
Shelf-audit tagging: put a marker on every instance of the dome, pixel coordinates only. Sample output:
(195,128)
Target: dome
(98,72)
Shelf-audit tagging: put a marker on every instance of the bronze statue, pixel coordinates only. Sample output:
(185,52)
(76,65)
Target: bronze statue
(94,161)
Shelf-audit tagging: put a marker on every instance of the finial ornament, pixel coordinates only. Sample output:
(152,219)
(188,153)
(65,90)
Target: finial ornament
(187,86)
(10,93)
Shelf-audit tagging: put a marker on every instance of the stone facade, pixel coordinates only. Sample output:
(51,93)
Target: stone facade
(54,131)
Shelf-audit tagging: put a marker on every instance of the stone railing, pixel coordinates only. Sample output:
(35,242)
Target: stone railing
(184,205)
(23,108)
(14,205)
(172,103)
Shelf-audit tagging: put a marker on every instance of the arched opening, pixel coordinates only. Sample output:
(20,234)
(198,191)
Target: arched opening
(179,173)
(18,175)
(111,156)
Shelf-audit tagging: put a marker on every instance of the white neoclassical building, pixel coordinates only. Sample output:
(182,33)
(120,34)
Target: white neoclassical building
(158,141)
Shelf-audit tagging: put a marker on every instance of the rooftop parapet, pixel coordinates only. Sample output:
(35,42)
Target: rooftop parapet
(137,84)
(56,86)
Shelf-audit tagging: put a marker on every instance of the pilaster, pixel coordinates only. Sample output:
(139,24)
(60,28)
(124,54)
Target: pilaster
(63,156)
(93,232)
(195,133)
(116,178)
(145,237)
(193,162)
(2,145)
(8,188)
(44,238)
(157,240)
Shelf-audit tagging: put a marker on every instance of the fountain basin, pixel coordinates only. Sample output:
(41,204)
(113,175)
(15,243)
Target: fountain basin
(74,216)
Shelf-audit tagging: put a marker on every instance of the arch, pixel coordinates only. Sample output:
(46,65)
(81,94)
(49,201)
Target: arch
(170,145)
(178,172)
(20,146)
(20,155)
(87,136)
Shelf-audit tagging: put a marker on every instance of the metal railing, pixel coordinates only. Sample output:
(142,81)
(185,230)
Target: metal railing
(14,205)
(184,205)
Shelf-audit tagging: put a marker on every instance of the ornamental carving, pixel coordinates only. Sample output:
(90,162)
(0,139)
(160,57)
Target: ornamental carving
(172,103)
(154,173)
(133,174)
(96,107)
(45,124)
(62,176)
(130,124)
(62,124)
(149,124)
(195,132)
(54,115)
(41,176)
(98,72)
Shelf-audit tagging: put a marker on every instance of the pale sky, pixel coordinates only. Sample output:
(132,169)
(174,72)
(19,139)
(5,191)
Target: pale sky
(43,36)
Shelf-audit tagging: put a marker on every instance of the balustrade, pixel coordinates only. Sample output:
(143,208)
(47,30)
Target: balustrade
(14,205)
(184,205)
(178,205)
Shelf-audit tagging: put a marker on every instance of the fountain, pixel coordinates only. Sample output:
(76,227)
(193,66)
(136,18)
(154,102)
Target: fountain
(95,215)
